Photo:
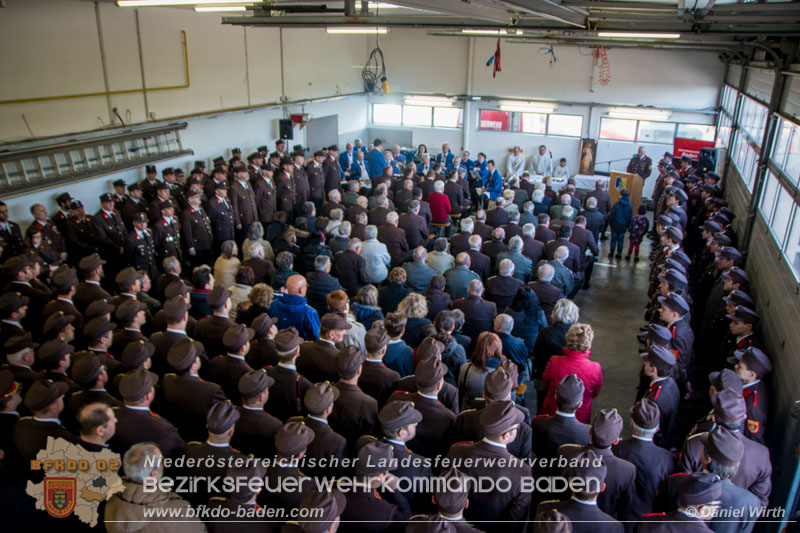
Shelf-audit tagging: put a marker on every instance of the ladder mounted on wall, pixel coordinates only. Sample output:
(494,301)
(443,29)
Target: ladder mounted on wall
(65,160)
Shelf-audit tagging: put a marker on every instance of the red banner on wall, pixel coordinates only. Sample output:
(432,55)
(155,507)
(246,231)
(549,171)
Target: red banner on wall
(494,120)
(690,147)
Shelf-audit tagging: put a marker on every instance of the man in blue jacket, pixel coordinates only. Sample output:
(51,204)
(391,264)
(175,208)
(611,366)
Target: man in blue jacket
(619,219)
(446,158)
(293,310)
(495,183)
(375,159)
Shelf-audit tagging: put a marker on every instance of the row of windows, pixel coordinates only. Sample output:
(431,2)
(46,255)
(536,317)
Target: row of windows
(417,115)
(782,215)
(537,123)
(653,132)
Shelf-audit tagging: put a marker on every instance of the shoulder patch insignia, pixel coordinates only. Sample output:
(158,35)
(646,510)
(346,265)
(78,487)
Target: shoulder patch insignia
(753,426)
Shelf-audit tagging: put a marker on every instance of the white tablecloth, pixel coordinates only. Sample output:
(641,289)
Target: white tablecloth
(582,181)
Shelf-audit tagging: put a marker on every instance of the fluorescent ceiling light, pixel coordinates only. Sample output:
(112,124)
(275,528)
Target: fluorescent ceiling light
(635,35)
(381,5)
(438,101)
(468,31)
(528,107)
(150,3)
(643,114)
(366,29)
(218,9)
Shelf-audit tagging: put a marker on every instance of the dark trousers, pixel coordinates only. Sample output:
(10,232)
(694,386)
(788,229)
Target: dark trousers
(587,272)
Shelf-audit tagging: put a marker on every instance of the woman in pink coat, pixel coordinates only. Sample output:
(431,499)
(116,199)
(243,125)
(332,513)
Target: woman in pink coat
(574,361)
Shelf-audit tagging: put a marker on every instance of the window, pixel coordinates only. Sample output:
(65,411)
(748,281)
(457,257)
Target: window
(745,158)
(697,132)
(656,132)
(387,113)
(780,218)
(494,120)
(792,248)
(768,196)
(729,95)
(753,119)
(618,129)
(786,150)
(533,123)
(724,130)
(414,115)
(569,125)
(446,117)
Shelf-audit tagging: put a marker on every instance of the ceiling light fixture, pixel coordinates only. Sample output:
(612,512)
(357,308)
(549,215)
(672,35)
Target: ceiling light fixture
(218,9)
(153,3)
(528,107)
(381,5)
(435,101)
(366,29)
(498,32)
(635,35)
(639,114)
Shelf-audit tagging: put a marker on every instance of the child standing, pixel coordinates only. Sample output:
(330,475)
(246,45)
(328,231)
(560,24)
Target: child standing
(636,232)
(619,219)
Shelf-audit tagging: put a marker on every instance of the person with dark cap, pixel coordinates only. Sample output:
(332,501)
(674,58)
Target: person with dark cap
(79,233)
(64,282)
(128,285)
(652,335)
(318,359)
(256,429)
(674,310)
(262,348)
(500,422)
(376,379)
(285,189)
(448,394)
(620,477)
(45,399)
(13,309)
(210,330)
(149,183)
(12,467)
(387,512)
(658,364)
(582,509)
(552,431)
(698,501)
(243,202)
(209,456)
(136,422)
(286,398)
(331,170)
(163,196)
(238,511)
(90,290)
(740,325)
(20,357)
(451,496)
(226,370)
(220,214)
(551,522)
(329,507)
(291,443)
(751,365)
(754,469)
(328,447)
(23,281)
(110,233)
(55,357)
(140,251)
(185,398)
(130,316)
(89,372)
(60,219)
(354,413)
(172,320)
(722,456)
(728,277)
(653,464)
(197,234)
(497,387)
(133,205)
(167,232)
(316,179)
(50,244)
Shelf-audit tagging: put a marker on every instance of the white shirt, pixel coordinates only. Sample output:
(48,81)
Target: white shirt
(542,164)
(516,164)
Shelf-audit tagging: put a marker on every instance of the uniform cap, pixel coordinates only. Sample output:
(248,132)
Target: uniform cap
(91,263)
(331,321)
(63,197)
(675,234)
(221,417)
(727,211)
(738,297)
(724,447)
(293,438)
(96,328)
(680,194)
(570,390)
(287,340)
(429,524)
(333,148)
(396,415)
(56,323)
(588,465)
(660,357)
(15,265)
(253,383)
(672,264)
(674,278)
(237,336)
(218,296)
(64,278)
(711,227)
(729,407)
(52,351)
(375,339)
(327,507)
(659,335)
(675,302)
(551,521)
(349,360)
(499,417)
(429,347)
(107,197)
(190,191)
(254,155)
(126,277)
(136,353)
(251,470)
(737,275)
(18,343)
(182,355)
(429,372)
(44,392)
(755,359)
(744,314)
(606,427)
(262,324)
(118,183)
(646,414)
(286,161)
(374,458)
(98,308)
(175,309)
(167,204)
(11,302)
(140,217)
(134,187)
(456,485)
(498,385)
(220,184)
(320,396)
(136,384)
(127,310)
(86,368)
(680,257)
(665,221)
(176,288)
(721,239)
(730,253)
(726,379)
(75,204)
(698,488)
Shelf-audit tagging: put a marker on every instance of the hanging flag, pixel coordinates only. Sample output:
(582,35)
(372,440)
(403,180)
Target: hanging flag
(497,60)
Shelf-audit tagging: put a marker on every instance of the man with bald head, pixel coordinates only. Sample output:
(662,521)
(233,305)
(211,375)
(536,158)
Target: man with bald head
(478,312)
(292,309)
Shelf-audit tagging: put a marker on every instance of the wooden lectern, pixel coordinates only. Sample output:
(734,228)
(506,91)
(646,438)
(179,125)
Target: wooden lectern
(622,180)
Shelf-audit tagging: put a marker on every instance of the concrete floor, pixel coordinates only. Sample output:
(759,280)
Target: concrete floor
(613,307)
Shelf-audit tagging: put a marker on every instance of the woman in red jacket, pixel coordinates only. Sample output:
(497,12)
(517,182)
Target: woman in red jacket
(574,361)
(439,202)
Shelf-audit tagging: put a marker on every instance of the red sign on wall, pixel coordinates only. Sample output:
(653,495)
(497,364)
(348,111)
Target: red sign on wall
(690,147)
(494,120)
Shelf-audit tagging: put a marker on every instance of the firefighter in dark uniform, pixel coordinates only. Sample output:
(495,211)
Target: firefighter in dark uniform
(119,194)
(640,164)
(264,189)
(698,500)
(286,396)
(659,362)
(552,431)
(316,179)
(51,236)
(284,183)
(255,160)
(327,444)
(162,197)
(243,201)
(226,370)
(331,170)
(45,401)
(220,214)
(111,234)
(79,233)
(198,237)
(140,250)
(256,429)
(174,187)
(134,204)
(740,322)
(751,365)
(302,190)
(167,233)
(60,219)
(149,183)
